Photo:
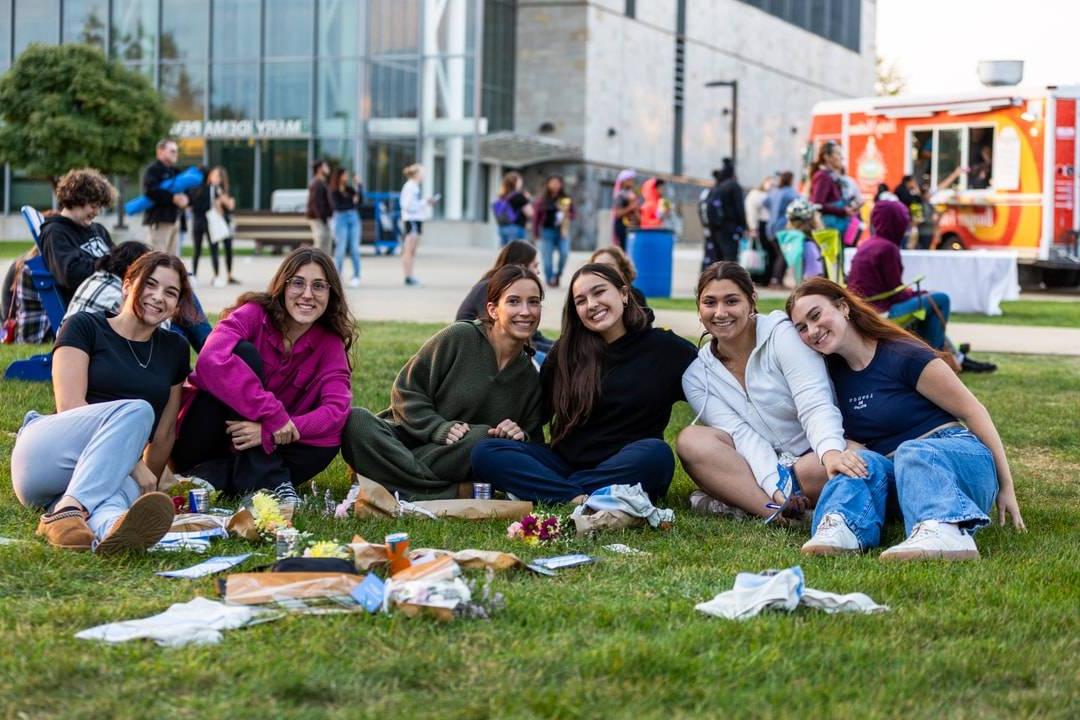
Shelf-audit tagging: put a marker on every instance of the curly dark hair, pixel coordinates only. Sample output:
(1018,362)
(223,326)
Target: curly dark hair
(119,258)
(85,186)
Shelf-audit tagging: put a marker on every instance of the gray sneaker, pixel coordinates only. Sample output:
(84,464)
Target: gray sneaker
(704,504)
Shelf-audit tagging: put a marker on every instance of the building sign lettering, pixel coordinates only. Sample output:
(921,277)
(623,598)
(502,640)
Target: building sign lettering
(246,128)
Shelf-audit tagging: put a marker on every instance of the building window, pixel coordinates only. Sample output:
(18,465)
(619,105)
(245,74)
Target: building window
(290,29)
(185,29)
(338,28)
(36,21)
(835,20)
(234,91)
(134,28)
(5,34)
(86,21)
(938,156)
(631,9)
(236,30)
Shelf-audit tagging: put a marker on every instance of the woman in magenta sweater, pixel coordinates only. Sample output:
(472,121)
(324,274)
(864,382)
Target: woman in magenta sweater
(825,188)
(271,390)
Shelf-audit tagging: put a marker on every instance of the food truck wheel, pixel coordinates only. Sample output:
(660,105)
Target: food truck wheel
(951,241)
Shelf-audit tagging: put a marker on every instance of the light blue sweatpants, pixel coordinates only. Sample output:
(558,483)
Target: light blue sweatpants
(87,453)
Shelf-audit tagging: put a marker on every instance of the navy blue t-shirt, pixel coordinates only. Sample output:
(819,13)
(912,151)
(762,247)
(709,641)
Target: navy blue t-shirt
(880,405)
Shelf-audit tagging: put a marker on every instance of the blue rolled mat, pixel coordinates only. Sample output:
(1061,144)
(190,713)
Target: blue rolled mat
(192,177)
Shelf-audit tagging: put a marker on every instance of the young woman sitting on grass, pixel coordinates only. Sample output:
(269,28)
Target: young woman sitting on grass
(608,385)
(471,381)
(516,252)
(272,387)
(927,438)
(764,399)
(94,465)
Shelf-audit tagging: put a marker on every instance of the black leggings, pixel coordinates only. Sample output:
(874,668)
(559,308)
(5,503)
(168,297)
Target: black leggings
(204,442)
(200,229)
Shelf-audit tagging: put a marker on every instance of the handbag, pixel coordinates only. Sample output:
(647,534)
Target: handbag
(752,256)
(217,226)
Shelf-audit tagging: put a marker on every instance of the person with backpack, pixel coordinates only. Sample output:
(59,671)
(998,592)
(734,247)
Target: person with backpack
(801,251)
(725,216)
(553,212)
(511,209)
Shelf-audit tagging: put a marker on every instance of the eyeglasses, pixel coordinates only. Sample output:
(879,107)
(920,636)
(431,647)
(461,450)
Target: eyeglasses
(297,285)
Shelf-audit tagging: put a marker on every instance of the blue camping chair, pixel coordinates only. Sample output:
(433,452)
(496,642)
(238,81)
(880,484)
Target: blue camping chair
(39,367)
(387,221)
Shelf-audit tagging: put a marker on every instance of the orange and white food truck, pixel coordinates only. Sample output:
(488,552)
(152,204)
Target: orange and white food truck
(1009,156)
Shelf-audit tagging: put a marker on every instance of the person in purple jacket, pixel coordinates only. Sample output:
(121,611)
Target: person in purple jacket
(271,390)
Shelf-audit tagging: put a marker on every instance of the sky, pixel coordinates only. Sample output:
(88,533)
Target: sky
(936,44)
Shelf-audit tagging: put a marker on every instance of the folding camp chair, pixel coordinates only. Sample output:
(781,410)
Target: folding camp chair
(918,315)
(39,367)
(832,253)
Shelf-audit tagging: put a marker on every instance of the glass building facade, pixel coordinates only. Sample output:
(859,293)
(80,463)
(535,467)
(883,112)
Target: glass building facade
(264,87)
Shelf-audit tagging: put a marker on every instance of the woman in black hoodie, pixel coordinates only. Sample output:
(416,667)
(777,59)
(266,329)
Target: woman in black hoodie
(608,386)
(71,241)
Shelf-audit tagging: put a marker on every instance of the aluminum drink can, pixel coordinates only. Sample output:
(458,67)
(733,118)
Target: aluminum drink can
(198,501)
(286,541)
(481,491)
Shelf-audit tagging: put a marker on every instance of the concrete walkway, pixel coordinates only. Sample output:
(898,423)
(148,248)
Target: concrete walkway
(448,273)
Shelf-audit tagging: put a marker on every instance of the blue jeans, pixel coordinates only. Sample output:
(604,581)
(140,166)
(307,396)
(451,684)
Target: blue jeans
(948,476)
(536,472)
(932,330)
(509,233)
(87,452)
(550,241)
(347,236)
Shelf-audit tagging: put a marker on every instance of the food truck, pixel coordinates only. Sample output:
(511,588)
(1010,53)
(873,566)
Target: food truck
(1000,163)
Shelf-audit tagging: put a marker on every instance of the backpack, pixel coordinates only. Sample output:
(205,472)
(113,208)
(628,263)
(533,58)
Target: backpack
(505,214)
(711,208)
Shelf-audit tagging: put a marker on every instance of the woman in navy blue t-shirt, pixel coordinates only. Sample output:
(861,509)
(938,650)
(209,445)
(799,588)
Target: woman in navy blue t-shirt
(927,438)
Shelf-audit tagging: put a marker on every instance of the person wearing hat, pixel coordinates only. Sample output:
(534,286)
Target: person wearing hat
(797,240)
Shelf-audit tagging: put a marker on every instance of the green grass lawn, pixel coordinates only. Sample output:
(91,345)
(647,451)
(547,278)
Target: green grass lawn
(1049,313)
(995,638)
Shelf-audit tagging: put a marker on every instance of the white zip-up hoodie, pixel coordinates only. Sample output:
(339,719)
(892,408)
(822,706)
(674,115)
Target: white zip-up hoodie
(413,206)
(787,406)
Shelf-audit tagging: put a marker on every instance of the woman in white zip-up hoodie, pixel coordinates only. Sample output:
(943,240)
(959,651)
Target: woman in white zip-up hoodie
(414,210)
(761,395)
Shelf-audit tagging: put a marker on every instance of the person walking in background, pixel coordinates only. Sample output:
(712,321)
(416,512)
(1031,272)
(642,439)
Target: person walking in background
(318,210)
(414,210)
(552,213)
(213,197)
(757,218)
(161,220)
(511,209)
(825,188)
(346,200)
(777,204)
(726,216)
(625,207)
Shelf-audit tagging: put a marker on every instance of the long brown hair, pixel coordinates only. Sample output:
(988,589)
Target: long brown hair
(725,270)
(579,355)
(144,266)
(509,183)
(827,148)
(861,314)
(516,252)
(223,174)
(337,318)
(622,260)
(503,278)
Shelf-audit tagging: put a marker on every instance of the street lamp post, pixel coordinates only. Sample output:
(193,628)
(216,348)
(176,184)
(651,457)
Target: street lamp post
(734,85)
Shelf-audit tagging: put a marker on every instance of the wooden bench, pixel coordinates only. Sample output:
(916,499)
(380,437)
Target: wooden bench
(277,230)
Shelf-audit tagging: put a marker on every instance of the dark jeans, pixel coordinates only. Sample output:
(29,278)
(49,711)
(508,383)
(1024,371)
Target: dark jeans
(200,230)
(775,264)
(536,472)
(204,444)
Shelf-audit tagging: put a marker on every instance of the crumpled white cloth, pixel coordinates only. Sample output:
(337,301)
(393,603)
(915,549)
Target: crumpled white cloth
(781,590)
(629,499)
(199,621)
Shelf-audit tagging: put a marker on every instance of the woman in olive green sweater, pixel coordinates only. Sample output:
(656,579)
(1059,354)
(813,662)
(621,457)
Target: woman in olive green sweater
(471,381)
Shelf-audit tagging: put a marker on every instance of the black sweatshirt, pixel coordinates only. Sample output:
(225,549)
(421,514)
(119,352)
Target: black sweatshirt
(348,198)
(640,381)
(70,251)
(163,211)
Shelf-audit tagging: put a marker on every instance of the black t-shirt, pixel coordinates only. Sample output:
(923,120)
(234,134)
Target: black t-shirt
(641,379)
(114,374)
(518,201)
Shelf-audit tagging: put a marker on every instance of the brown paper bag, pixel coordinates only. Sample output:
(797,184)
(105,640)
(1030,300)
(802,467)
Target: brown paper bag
(260,588)
(195,522)
(477,509)
(242,524)
(474,559)
(374,500)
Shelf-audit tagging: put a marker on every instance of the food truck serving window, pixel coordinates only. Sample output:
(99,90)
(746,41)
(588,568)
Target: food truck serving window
(960,157)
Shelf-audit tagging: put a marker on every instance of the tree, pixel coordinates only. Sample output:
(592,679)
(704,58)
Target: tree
(66,106)
(888,78)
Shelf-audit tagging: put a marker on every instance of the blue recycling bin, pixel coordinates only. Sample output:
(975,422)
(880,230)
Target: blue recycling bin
(651,250)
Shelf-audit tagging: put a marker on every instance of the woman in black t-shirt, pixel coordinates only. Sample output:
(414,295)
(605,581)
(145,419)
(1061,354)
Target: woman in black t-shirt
(94,465)
(608,385)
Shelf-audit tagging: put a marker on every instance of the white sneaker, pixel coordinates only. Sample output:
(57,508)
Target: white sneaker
(354,283)
(704,504)
(220,282)
(833,537)
(933,540)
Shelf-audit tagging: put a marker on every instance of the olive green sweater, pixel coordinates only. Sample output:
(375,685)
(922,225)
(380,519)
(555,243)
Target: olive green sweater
(455,378)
